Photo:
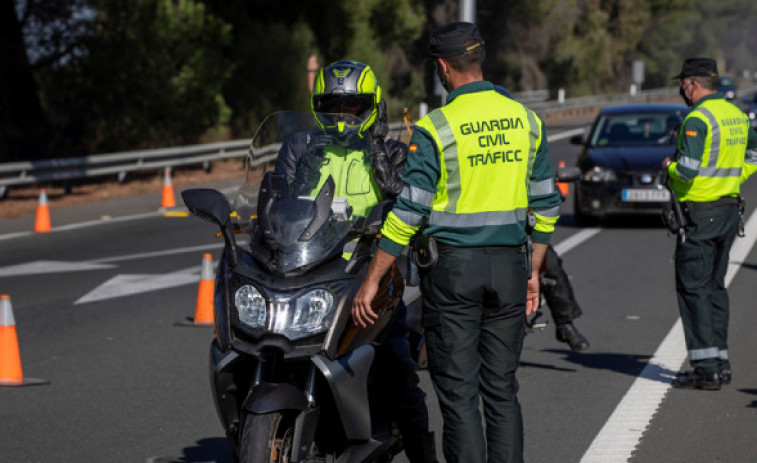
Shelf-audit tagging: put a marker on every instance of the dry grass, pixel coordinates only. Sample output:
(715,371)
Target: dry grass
(24,199)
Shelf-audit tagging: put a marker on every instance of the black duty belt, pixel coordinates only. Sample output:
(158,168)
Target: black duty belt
(702,206)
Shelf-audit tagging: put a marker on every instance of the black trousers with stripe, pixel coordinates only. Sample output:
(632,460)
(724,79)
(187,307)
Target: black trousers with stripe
(473,316)
(701,264)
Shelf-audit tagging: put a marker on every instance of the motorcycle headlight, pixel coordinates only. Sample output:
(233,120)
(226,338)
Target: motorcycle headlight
(752,115)
(600,174)
(308,313)
(251,306)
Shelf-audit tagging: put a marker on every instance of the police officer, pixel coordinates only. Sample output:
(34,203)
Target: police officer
(348,87)
(475,168)
(562,303)
(705,177)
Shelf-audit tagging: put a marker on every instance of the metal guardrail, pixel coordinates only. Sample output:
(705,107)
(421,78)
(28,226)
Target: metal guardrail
(573,106)
(121,164)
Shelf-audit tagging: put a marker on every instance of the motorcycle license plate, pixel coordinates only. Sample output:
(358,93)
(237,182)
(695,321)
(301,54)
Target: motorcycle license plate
(645,196)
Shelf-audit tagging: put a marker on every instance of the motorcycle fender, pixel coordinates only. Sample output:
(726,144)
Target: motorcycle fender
(273,397)
(348,379)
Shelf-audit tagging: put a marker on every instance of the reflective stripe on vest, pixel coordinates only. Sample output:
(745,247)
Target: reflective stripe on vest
(488,182)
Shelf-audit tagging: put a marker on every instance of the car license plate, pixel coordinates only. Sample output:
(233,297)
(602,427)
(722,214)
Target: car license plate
(646,195)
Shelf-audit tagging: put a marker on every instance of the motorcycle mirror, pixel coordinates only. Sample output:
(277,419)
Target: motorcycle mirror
(568,174)
(208,204)
(213,206)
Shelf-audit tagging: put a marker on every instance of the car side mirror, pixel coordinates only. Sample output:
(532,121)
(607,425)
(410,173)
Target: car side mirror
(577,139)
(567,174)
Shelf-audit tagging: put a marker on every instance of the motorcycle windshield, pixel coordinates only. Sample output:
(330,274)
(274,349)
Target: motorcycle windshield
(301,215)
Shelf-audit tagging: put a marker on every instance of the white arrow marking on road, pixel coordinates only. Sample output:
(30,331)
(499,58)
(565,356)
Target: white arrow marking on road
(126,285)
(50,266)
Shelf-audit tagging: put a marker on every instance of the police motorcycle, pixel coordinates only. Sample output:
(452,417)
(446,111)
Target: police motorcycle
(289,371)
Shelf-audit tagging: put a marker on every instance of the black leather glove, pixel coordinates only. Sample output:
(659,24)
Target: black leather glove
(308,171)
(318,141)
(380,128)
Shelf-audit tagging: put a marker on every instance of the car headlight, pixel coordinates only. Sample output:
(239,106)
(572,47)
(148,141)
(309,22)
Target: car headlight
(599,174)
(251,306)
(305,314)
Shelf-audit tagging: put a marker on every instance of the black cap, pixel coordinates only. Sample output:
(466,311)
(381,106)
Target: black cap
(450,40)
(697,67)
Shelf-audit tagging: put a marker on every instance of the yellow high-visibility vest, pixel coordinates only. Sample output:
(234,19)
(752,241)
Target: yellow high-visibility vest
(720,169)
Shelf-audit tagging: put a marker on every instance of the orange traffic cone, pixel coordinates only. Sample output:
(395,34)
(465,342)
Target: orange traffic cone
(169,200)
(42,222)
(564,187)
(10,359)
(205,290)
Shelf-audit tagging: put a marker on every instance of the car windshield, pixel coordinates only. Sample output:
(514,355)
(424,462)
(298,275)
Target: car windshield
(635,128)
(725,82)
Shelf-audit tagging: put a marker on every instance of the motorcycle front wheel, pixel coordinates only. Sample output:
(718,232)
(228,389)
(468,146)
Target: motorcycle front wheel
(266,438)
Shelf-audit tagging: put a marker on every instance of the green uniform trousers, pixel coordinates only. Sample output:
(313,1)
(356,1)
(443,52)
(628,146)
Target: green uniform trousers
(474,317)
(701,264)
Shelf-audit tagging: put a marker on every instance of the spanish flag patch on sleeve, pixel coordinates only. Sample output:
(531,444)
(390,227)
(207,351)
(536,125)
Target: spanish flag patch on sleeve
(691,133)
(413,148)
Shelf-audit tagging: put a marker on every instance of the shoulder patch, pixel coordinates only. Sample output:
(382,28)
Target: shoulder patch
(691,133)
(413,148)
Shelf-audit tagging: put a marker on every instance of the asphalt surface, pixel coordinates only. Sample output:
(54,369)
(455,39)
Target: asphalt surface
(128,385)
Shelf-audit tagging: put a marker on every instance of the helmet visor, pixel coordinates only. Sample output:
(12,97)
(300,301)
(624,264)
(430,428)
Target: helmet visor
(355,104)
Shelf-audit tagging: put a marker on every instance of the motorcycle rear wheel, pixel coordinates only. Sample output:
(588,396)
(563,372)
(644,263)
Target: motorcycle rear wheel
(266,438)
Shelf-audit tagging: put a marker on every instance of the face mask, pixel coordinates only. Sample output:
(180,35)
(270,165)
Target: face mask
(439,74)
(682,92)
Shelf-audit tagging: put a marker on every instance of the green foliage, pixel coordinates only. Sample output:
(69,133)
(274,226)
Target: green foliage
(109,75)
(149,73)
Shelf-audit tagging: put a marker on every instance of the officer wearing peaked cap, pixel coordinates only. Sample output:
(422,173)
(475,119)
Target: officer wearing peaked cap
(475,169)
(714,144)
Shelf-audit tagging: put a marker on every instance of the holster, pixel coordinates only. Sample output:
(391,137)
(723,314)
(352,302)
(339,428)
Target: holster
(688,213)
(425,251)
(742,207)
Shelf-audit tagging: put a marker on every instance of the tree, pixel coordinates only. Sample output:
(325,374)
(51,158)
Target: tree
(23,126)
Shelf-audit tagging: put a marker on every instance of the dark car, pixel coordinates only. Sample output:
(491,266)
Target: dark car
(727,87)
(750,108)
(621,161)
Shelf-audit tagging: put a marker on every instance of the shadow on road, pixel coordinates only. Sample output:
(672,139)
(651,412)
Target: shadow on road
(752,392)
(544,366)
(216,449)
(627,364)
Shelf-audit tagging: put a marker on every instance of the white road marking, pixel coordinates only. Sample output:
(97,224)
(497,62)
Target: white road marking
(622,432)
(561,135)
(574,240)
(49,266)
(127,285)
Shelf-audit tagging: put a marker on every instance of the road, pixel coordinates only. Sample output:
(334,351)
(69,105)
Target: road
(96,305)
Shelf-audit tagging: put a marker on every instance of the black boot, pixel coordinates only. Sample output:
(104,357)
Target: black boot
(697,379)
(421,448)
(566,332)
(725,376)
